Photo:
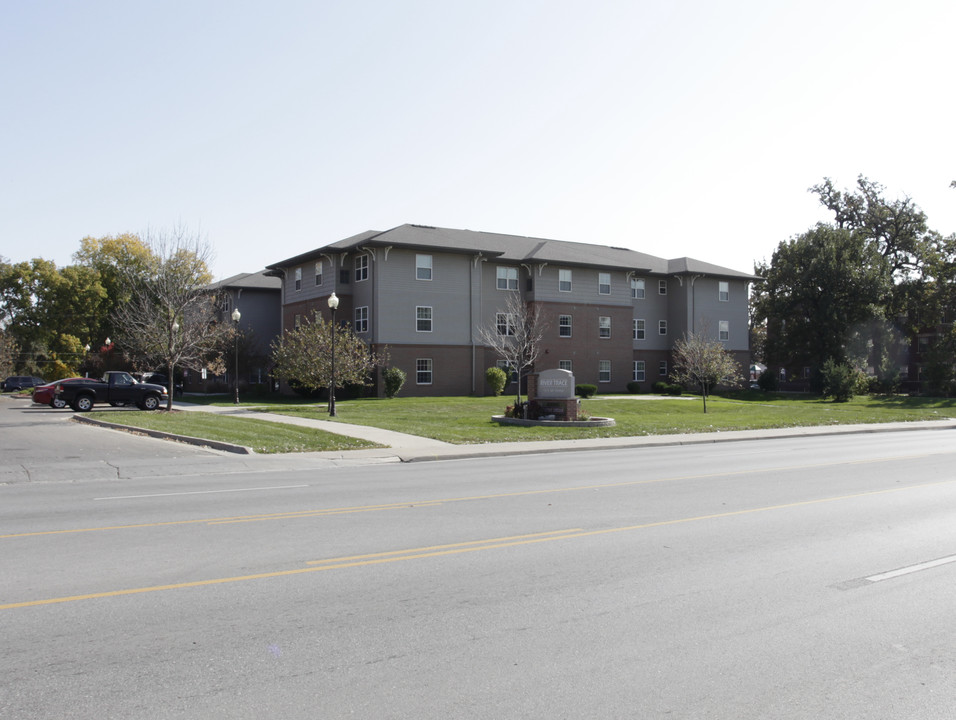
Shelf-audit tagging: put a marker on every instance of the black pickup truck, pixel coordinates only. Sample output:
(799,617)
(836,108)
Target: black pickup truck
(115,388)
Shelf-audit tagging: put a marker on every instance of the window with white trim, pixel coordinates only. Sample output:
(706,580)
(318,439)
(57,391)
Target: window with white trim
(662,368)
(318,272)
(604,371)
(662,327)
(423,318)
(604,327)
(509,371)
(361,319)
(423,267)
(723,330)
(296,321)
(723,291)
(506,278)
(639,329)
(361,267)
(564,365)
(604,283)
(564,280)
(637,288)
(639,374)
(564,326)
(298,279)
(423,371)
(661,287)
(505,323)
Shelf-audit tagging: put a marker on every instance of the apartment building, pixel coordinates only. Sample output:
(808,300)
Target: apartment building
(612,314)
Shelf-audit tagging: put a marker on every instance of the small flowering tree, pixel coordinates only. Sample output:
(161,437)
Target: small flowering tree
(704,363)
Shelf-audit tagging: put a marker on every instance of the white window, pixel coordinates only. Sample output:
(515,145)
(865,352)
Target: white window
(604,327)
(564,280)
(604,283)
(505,323)
(564,365)
(512,375)
(423,371)
(723,291)
(604,371)
(639,371)
(723,330)
(361,268)
(507,278)
(297,321)
(361,319)
(423,318)
(662,327)
(298,278)
(662,368)
(423,267)
(662,287)
(564,326)
(637,288)
(318,273)
(639,330)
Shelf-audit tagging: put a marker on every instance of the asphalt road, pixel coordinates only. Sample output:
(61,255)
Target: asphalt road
(801,578)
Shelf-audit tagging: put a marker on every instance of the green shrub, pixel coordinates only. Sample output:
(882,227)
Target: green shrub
(634,387)
(768,381)
(839,381)
(394,379)
(660,387)
(497,379)
(674,389)
(585,390)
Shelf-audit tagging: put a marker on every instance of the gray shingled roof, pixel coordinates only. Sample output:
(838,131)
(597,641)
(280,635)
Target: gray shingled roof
(516,248)
(258,281)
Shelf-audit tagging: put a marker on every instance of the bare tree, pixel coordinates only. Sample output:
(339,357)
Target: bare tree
(516,336)
(170,320)
(704,363)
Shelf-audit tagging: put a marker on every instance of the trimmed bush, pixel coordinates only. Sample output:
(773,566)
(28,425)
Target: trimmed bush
(634,387)
(585,390)
(497,379)
(394,379)
(660,387)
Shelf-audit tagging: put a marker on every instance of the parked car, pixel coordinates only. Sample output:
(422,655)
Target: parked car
(116,388)
(21,382)
(46,394)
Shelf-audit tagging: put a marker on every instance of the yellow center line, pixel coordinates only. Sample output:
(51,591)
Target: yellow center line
(458,548)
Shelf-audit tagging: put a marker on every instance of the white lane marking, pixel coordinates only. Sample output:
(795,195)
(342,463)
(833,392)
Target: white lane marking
(200,492)
(911,569)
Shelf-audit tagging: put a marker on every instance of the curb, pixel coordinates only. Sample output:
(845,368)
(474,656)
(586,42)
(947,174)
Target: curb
(160,435)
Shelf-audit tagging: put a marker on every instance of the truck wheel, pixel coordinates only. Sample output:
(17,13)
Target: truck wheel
(84,403)
(150,402)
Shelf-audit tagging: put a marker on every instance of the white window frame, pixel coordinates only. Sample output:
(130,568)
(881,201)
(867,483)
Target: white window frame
(723,291)
(297,321)
(604,371)
(423,266)
(604,327)
(424,317)
(562,325)
(424,368)
(361,319)
(640,371)
(318,272)
(661,287)
(604,283)
(637,288)
(723,330)
(361,267)
(506,278)
(640,329)
(564,280)
(565,365)
(505,322)
(662,327)
(662,368)
(298,279)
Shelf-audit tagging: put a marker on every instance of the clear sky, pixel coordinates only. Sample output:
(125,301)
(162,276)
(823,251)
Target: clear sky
(675,128)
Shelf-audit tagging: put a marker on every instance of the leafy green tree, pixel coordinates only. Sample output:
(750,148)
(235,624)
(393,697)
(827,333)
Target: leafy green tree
(304,355)
(818,287)
(839,380)
(8,354)
(704,363)
(394,379)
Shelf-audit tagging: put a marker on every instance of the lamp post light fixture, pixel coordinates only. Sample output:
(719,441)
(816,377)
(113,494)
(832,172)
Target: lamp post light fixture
(235,318)
(333,306)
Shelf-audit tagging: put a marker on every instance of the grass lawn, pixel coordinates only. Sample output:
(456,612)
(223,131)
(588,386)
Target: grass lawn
(466,420)
(260,435)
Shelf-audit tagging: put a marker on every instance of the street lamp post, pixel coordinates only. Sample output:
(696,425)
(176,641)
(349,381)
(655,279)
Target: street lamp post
(235,318)
(333,305)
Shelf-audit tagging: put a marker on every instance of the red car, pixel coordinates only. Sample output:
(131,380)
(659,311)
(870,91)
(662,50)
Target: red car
(45,395)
